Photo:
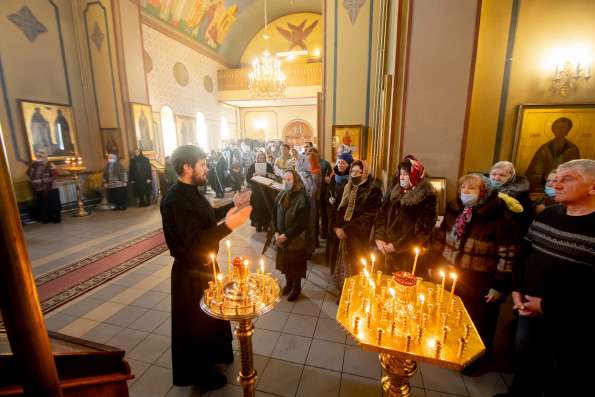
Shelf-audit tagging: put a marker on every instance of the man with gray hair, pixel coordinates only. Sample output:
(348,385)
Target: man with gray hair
(552,290)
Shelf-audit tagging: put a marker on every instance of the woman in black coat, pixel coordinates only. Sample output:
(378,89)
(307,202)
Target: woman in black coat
(338,180)
(352,223)
(407,216)
(290,218)
(260,217)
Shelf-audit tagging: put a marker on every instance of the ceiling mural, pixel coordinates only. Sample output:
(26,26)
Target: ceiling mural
(206,21)
(295,37)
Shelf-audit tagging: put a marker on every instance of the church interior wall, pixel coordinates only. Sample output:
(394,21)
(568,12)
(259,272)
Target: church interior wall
(440,65)
(542,26)
(274,119)
(185,80)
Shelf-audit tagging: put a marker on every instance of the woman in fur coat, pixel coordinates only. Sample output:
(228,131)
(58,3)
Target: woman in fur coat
(407,216)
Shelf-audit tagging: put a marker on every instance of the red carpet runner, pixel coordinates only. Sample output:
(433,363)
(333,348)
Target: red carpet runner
(66,283)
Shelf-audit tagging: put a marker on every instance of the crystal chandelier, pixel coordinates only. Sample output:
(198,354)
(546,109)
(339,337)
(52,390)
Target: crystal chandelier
(266,78)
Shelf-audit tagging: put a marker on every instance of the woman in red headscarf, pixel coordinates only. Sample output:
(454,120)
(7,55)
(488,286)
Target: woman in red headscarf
(407,216)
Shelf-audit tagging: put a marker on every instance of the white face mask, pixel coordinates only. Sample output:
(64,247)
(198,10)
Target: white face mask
(405,184)
(111,160)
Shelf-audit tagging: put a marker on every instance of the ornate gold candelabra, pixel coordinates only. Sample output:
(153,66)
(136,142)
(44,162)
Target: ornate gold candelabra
(407,320)
(241,296)
(75,166)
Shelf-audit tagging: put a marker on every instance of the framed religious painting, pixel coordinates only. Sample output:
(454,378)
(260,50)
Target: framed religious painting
(49,127)
(111,141)
(347,138)
(186,130)
(144,130)
(549,135)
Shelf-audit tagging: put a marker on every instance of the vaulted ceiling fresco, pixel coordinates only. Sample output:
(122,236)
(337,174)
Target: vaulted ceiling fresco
(224,26)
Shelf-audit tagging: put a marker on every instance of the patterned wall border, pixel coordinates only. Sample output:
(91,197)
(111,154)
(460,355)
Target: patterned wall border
(5,93)
(111,64)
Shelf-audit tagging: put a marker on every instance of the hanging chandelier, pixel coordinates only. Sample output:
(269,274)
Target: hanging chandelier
(266,78)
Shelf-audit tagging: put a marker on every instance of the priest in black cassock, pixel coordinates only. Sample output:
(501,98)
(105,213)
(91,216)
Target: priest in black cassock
(192,234)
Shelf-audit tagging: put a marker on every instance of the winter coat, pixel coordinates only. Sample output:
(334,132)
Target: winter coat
(359,228)
(406,219)
(489,244)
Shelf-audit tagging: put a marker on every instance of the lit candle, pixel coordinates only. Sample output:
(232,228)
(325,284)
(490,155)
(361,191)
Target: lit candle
(246,267)
(262,266)
(416,250)
(373,257)
(228,244)
(422,301)
(453,276)
(392,293)
(443,275)
(220,281)
(214,266)
(364,264)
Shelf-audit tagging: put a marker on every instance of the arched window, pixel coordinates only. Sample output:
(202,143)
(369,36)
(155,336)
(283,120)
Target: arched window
(168,129)
(224,129)
(202,134)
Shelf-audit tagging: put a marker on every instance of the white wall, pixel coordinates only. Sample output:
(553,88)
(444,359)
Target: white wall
(192,98)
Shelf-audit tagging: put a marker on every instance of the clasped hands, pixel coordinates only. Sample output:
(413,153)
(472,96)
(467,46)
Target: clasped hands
(384,247)
(280,238)
(529,307)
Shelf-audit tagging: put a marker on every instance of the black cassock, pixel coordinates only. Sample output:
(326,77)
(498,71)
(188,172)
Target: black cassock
(192,234)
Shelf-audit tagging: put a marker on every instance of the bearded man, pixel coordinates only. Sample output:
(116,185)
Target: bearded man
(192,235)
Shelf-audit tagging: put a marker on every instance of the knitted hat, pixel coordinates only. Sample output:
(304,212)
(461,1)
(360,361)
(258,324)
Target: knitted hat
(346,156)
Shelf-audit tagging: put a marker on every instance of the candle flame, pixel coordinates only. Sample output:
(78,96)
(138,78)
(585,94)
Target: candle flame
(432,343)
(366,273)
(246,262)
(453,275)
(212,256)
(391,291)
(373,258)
(416,250)
(364,262)
(220,277)
(372,283)
(442,274)
(422,298)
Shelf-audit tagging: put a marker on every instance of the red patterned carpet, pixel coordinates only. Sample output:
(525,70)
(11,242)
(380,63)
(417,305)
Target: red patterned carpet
(62,285)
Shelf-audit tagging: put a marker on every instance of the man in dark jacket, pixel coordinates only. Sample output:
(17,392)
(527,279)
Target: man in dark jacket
(141,178)
(192,234)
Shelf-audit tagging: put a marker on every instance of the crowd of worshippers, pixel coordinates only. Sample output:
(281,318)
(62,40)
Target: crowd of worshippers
(499,241)
(43,175)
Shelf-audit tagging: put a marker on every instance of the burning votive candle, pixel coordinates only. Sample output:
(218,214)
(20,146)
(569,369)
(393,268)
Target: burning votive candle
(453,276)
(443,275)
(422,301)
(416,250)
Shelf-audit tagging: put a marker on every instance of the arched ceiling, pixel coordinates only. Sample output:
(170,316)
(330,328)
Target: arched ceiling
(250,19)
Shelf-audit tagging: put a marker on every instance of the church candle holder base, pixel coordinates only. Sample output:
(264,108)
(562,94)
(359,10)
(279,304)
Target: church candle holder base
(74,165)
(242,297)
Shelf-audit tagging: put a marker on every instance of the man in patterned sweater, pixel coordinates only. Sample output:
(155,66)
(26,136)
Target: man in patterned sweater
(552,286)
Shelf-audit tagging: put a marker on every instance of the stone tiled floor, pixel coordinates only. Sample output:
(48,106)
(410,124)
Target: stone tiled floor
(299,348)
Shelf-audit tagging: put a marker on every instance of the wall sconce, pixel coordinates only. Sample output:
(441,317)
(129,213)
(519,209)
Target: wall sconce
(572,65)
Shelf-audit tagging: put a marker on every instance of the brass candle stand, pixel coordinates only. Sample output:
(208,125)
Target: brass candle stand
(75,166)
(403,318)
(242,296)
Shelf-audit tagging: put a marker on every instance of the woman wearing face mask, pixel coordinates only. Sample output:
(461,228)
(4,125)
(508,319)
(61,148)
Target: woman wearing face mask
(290,219)
(260,217)
(407,216)
(479,238)
(115,180)
(338,180)
(549,193)
(43,175)
(504,179)
(353,220)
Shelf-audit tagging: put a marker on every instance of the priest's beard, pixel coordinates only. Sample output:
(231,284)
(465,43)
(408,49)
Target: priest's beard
(199,180)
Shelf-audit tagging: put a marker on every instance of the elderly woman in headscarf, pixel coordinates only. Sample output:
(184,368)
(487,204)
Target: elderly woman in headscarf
(290,219)
(479,239)
(504,179)
(260,216)
(352,222)
(407,216)
(337,182)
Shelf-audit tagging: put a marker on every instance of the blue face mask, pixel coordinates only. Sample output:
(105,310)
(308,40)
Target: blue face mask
(287,186)
(495,184)
(341,178)
(469,200)
(550,191)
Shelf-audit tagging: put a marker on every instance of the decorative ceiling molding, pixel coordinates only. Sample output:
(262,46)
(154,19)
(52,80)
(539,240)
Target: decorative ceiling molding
(28,23)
